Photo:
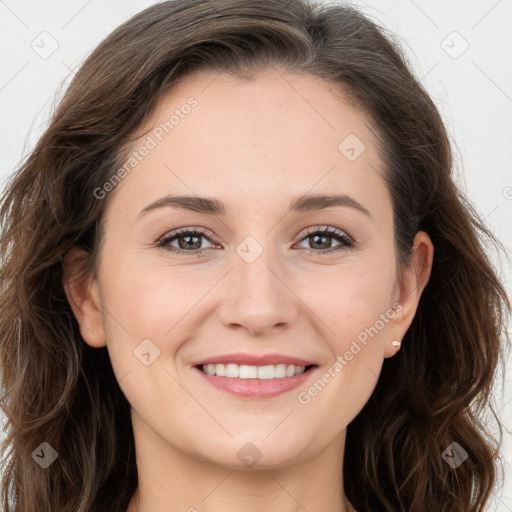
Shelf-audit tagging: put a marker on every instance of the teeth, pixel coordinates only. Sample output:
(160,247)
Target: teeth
(247,372)
(244,371)
(266,372)
(231,370)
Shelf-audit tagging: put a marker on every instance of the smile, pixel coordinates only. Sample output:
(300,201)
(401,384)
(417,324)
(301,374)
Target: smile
(244,371)
(268,375)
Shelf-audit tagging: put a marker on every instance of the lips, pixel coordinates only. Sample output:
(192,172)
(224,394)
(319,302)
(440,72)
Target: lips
(254,360)
(269,382)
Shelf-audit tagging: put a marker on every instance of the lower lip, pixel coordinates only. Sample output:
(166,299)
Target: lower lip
(256,388)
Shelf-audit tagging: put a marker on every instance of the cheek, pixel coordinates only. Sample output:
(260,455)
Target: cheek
(138,306)
(161,303)
(356,312)
(152,299)
(150,314)
(353,300)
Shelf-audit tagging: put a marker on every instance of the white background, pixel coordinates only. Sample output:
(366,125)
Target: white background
(473,91)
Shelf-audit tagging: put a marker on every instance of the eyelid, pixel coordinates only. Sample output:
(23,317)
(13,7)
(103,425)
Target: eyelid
(205,231)
(331,232)
(326,230)
(188,229)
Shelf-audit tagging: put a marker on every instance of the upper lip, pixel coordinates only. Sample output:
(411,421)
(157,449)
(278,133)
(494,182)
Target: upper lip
(254,359)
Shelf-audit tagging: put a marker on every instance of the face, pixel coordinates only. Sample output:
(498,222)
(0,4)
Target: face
(300,298)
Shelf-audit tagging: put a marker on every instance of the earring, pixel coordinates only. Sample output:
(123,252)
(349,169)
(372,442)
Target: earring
(396,344)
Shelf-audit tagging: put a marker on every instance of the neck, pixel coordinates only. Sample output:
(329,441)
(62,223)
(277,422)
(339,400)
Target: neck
(169,476)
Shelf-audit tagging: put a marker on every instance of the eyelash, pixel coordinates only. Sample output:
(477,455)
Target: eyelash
(345,241)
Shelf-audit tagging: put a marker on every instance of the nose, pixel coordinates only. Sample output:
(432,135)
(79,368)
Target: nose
(257,298)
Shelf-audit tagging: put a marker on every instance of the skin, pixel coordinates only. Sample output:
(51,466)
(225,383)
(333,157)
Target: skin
(254,145)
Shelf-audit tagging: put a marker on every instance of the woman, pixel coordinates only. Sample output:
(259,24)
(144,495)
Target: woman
(237,274)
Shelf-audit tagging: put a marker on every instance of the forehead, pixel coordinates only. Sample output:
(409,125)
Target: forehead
(214,134)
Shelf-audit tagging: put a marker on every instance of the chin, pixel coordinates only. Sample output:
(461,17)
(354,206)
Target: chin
(254,455)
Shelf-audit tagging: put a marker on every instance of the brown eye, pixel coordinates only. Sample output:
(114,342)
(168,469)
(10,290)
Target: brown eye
(190,241)
(320,241)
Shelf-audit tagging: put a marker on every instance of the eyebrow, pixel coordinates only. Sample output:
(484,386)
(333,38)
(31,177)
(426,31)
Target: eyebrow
(210,206)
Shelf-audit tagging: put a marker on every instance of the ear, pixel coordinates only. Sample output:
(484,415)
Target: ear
(412,282)
(83,296)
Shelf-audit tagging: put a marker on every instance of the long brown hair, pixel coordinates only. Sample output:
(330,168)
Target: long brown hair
(58,390)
